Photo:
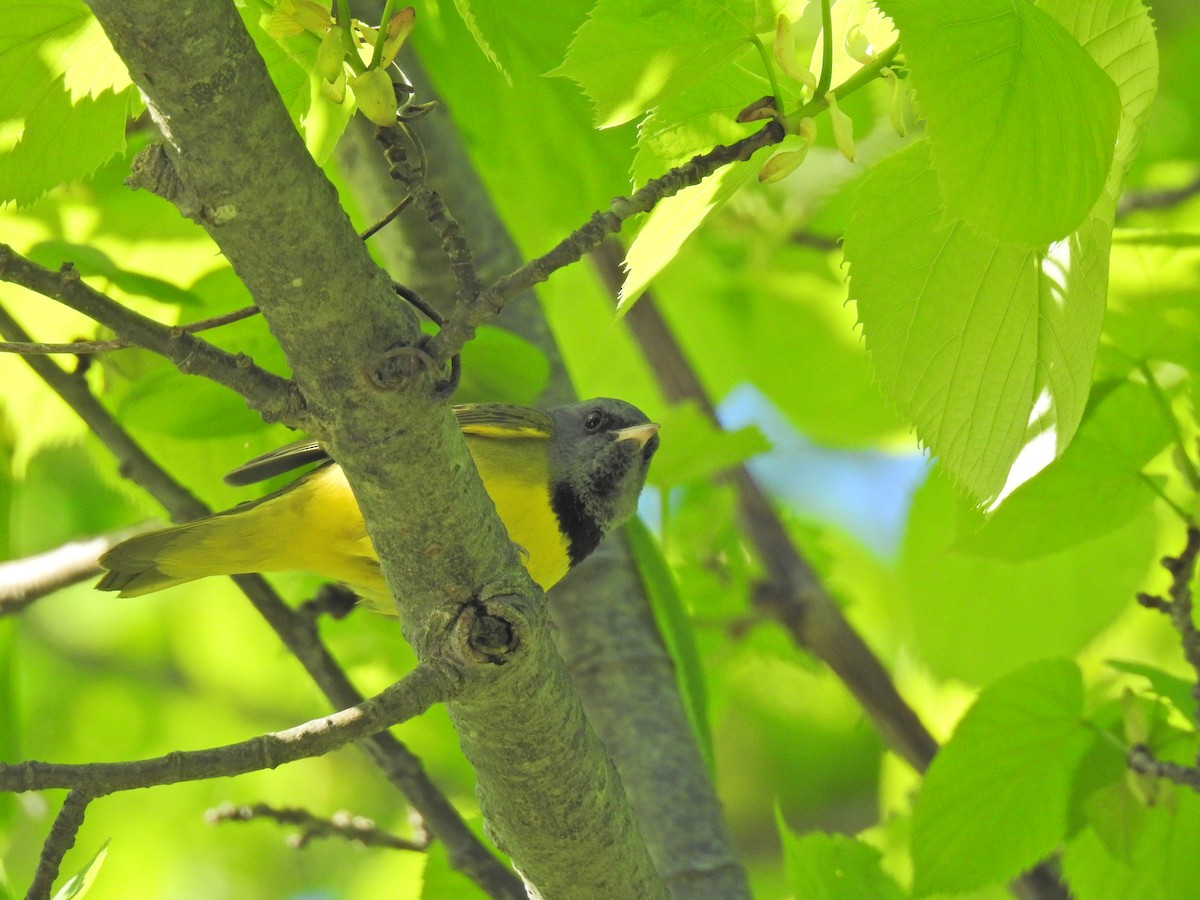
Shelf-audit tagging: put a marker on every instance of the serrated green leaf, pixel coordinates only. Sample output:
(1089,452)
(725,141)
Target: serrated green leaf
(676,629)
(966,334)
(1096,486)
(698,449)
(1010,97)
(674,220)
(1176,690)
(1119,37)
(995,798)
(823,866)
(483,18)
(630,54)
(64,100)
(77,886)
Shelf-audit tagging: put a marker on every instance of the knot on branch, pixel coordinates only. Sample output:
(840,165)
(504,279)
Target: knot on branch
(153,170)
(491,629)
(401,368)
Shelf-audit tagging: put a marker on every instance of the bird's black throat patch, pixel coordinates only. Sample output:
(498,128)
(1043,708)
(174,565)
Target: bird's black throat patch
(580,526)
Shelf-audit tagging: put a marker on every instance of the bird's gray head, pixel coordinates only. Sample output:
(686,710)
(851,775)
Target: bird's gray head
(599,454)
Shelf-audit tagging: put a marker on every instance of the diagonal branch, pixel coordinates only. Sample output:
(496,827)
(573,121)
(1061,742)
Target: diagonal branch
(276,217)
(61,839)
(342,825)
(467,317)
(427,684)
(273,397)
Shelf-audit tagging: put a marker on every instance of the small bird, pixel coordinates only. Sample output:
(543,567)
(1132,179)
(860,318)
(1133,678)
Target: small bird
(561,479)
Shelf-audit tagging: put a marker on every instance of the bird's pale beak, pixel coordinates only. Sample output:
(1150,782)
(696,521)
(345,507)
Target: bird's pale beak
(639,434)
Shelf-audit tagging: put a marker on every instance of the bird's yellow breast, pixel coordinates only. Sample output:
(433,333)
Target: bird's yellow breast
(516,474)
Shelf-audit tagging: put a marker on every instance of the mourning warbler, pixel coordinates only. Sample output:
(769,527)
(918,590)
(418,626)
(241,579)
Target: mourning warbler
(561,479)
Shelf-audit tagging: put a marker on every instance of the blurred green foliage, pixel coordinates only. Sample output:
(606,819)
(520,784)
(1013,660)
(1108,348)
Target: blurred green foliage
(1026,606)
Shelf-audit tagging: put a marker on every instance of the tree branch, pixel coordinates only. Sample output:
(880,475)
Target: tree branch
(23,581)
(61,839)
(605,631)
(342,825)
(82,348)
(273,397)
(427,684)
(489,302)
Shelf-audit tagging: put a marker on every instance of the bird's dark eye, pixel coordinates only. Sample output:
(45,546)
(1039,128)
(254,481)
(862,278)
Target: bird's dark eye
(593,421)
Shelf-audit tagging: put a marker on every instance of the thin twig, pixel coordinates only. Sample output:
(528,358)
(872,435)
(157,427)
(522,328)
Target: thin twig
(427,684)
(1141,759)
(454,242)
(275,398)
(1179,608)
(467,317)
(58,842)
(1132,201)
(342,825)
(79,348)
(372,230)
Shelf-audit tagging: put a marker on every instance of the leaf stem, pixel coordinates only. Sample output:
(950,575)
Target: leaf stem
(389,9)
(770,70)
(1162,495)
(1186,466)
(826,76)
(343,19)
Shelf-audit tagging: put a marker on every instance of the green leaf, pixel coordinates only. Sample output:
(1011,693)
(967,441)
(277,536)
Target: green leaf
(968,335)
(630,54)
(484,17)
(1177,691)
(995,798)
(65,99)
(1156,861)
(1154,310)
(1021,119)
(91,262)
(1119,36)
(500,367)
(165,402)
(699,449)
(1096,486)
(676,629)
(834,867)
(974,617)
(81,882)
(673,220)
